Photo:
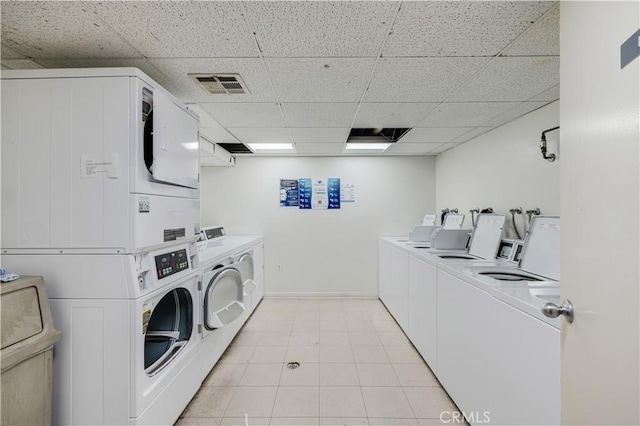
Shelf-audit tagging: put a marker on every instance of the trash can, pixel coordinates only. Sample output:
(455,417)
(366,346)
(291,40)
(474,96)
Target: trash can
(26,356)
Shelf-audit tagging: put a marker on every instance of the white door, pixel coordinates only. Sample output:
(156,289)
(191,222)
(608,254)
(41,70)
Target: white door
(600,189)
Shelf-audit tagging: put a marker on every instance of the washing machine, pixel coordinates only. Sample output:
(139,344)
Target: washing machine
(130,333)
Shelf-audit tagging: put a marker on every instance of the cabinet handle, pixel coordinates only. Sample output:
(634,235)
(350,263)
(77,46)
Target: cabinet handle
(552,310)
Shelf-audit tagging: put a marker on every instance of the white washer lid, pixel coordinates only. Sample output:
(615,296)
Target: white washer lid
(487,235)
(541,251)
(453,221)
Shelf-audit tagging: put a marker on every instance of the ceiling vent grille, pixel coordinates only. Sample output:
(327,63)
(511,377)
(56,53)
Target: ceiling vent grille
(222,84)
(236,148)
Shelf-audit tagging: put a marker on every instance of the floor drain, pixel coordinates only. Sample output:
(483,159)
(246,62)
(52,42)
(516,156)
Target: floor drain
(293,365)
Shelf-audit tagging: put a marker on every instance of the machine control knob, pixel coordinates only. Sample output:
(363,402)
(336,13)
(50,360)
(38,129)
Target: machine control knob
(552,310)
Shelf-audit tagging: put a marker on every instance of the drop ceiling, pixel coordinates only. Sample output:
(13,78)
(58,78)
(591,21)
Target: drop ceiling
(450,70)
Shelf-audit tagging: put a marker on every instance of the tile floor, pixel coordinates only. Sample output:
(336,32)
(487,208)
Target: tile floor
(356,368)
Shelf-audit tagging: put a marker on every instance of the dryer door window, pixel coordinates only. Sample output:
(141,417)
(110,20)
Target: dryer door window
(169,330)
(223,298)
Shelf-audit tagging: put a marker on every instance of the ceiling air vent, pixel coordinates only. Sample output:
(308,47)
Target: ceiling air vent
(236,148)
(222,84)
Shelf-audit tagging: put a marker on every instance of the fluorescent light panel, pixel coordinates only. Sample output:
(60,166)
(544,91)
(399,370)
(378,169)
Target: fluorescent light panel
(271,146)
(368,146)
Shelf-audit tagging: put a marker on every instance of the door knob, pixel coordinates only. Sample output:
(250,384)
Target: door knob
(552,310)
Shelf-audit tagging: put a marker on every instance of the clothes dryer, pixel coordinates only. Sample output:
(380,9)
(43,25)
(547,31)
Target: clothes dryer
(116,171)
(130,333)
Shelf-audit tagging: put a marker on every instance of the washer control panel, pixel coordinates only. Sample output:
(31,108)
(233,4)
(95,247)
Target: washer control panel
(171,263)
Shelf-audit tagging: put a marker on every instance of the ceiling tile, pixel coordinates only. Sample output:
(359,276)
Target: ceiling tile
(412,148)
(9,53)
(464,114)
(320,135)
(381,115)
(320,29)
(169,29)
(460,28)
(474,133)
(60,29)
(552,94)
(433,134)
(256,135)
(246,115)
(511,79)
(250,69)
(319,79)
(445,147)
(542,39)
(419,79)
(319,148)
(319,114)
(515,112)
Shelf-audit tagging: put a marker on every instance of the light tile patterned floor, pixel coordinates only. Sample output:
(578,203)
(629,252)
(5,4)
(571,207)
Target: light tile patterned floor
(356,368)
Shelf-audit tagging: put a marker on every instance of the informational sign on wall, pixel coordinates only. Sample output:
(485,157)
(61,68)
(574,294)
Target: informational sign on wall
(347,193)
(311,194)
(305,193)
(289,193)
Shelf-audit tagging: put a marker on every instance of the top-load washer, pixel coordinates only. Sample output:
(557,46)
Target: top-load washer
(111,166)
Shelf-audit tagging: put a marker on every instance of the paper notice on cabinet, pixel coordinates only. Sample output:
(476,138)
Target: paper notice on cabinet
(97,165)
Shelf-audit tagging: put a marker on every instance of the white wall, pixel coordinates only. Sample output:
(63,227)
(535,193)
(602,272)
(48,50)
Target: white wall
(329,252)
(503,169)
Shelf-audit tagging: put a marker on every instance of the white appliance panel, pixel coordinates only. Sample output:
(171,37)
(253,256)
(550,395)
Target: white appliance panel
(158,220)
(175,144)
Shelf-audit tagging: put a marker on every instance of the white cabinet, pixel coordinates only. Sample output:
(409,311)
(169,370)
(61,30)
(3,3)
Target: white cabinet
(423,309)
(384,271)
(524,368)
(399,287)
(463,343)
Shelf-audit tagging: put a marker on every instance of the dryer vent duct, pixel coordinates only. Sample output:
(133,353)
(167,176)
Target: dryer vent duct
(222,84)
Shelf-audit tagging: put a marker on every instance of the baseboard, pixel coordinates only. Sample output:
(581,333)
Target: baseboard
(319,295)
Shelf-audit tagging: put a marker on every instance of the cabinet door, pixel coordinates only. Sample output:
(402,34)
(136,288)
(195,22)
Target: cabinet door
(384,270)
(422,309)
(463,346)
(399,287)
(525,368)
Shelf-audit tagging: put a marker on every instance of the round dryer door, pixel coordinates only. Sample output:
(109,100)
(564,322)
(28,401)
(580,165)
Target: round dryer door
(168,331)
(223,298)
(245,266)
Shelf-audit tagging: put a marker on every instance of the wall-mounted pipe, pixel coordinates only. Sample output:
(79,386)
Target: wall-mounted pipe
(514,211)
(444,212)
(473,213)
(543,145)
(533,212)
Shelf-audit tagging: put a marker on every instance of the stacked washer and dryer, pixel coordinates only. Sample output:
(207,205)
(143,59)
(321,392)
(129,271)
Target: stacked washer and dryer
(100,195)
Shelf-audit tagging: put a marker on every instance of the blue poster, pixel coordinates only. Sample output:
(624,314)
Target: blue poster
(305,190)
(333,190)
(289,193)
